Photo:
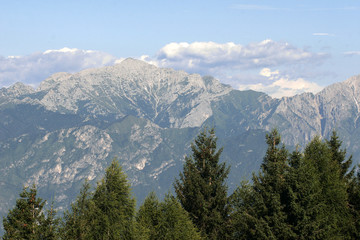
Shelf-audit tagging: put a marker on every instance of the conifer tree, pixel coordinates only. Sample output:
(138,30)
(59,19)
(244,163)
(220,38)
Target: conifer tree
(149,217)
(338,155)
(303,197)
(175,222)
(351,181)
(264,214)
(300,196)
(245,223)
(333,195)
(354,203)
(201,187)
(50,227)
(317,198)
(77,222)
(166,220)
(25,220)
(114,207)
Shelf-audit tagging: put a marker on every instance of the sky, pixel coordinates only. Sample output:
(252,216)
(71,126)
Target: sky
(283,47)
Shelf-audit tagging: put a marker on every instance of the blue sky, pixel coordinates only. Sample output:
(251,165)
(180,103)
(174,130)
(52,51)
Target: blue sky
(280,47)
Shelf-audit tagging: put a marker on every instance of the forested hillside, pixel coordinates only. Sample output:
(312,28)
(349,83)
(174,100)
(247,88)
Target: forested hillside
(73,125)
(309,194)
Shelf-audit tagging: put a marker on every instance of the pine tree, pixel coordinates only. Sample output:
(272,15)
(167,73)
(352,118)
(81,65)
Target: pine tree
(333,187)
(149,217)
(266,216)
(303,195)
(50,227)
(338,155)
(114,207)
(76,223)
(166,220)
(175,222)
(201,188)
(317,198)
(300,196)
(354,203)
(24,221)
(245,223)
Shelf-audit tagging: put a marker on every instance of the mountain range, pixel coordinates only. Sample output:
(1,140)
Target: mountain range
(71,127)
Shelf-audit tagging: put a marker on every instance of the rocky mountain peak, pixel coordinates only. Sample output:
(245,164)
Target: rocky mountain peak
(74,124)
(168,97)
(16,90)
(133,64)
(53,81)
(354,84)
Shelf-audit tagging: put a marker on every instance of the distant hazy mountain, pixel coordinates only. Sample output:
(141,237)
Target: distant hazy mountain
(73,125)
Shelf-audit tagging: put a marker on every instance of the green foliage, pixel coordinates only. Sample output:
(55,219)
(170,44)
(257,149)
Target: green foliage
(165,220)
(354,204)
(338,155)
(302,195)
(108,213)
(50,227)
(298,195)
(27,220)
(262,207)
(201,188)
(76,222)
(149,216)
(317,206)
(114,206)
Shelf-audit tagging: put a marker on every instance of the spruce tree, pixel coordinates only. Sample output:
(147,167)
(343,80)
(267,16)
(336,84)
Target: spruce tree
(175,222)
(76,223)
(25,220)
(266,216)
(329,174)
(354,203)
(114,207)
(303,198)
(50,227)
(165,220)
(201,187)
(245,223)
(149,217)
(317,194)
(338,155)
(298,196)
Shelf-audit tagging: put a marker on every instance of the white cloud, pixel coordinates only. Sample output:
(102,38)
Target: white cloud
(266,72)
(235,64)
(323,34)
(352,53)
(34,68)
(281,86)
(148,59)
(247,66)
(66,50)
(211,57)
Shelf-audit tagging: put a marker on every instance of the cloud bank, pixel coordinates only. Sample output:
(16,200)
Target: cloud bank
(239,65)
(352,53)
(281,85)
(210,57)
(242,66)
(34,68)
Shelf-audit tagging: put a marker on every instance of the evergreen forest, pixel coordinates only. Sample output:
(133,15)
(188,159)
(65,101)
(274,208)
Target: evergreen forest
(312,193)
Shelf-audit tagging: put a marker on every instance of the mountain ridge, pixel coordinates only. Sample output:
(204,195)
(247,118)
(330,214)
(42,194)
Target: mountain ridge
(70,127)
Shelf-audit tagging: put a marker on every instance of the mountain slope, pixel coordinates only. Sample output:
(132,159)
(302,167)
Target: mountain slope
(73,125)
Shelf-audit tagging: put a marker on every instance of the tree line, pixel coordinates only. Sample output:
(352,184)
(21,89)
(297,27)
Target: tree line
(309,194)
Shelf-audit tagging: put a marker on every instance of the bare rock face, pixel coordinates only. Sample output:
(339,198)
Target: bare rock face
(15,90)
(336,107)
(72,126)
(167,97)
